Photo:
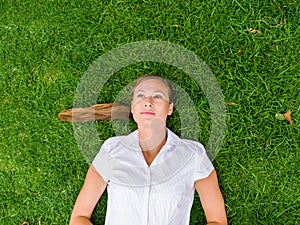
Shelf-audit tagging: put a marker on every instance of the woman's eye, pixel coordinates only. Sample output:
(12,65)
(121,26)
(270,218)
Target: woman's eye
(157,96)
(140,96)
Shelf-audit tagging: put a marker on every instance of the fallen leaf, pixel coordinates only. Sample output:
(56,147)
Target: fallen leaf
(285,116)
(239,51)
(25,223)
(231,103)
(254,31)
(288,116)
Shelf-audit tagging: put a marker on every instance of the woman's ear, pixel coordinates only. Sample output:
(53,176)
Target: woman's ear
(171,107)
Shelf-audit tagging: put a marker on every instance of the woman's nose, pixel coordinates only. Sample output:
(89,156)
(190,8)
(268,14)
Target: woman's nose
(148,102)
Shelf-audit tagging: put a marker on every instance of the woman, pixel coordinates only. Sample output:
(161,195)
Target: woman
(150,174)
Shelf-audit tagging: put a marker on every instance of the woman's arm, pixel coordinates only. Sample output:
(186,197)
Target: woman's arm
(92,189)
(211,199)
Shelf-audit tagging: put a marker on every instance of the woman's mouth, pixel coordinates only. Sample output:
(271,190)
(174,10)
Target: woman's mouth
(147,113)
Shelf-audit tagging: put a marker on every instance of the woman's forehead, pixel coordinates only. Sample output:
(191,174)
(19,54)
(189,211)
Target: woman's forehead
(153,85)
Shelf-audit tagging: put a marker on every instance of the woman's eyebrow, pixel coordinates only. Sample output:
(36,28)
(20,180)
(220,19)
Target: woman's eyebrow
(139,91)
(160,92)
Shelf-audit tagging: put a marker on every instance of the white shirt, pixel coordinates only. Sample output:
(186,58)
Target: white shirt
(159,194)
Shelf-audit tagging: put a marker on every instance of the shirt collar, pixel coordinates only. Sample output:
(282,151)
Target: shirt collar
(165,152)
(172,139)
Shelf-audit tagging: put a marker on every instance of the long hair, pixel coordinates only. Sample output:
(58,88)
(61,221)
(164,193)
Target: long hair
(110,111)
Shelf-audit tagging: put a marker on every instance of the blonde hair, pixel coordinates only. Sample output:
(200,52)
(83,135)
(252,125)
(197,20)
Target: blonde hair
(109,111)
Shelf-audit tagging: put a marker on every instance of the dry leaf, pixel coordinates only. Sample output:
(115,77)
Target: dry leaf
(231,103)
(254,31)
(288,116)
(25,223)
(239,51)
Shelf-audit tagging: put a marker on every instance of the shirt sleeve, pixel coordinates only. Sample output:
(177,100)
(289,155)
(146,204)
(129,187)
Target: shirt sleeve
(102,161)
(202,165)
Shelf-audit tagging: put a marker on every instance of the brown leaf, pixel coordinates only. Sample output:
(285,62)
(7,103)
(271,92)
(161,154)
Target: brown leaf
(25,223)
(239,51)
(254,31)
(288,116)
(231,103)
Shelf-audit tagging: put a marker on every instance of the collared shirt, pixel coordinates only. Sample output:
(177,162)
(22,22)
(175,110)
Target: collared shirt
(159,194)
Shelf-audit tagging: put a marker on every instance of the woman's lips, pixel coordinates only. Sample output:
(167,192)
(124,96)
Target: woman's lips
(148,113)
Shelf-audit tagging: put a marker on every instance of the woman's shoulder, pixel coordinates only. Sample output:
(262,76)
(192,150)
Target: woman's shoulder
(121,142)
(192,145)
(184,142)
(112,142)
(185,146)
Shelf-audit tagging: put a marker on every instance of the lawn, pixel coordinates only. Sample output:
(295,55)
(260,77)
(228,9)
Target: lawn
(251,47)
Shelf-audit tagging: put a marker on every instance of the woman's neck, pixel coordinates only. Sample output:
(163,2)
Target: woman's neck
(151,140)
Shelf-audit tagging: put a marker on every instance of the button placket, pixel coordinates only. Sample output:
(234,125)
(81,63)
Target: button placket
(147,194)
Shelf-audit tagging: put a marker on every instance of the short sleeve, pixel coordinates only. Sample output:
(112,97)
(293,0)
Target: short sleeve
(202,165)
(102,162)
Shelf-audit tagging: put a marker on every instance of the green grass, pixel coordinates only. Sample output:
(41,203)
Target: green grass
(46,47)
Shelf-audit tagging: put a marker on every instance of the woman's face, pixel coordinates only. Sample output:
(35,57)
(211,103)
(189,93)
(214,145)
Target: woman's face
(150,101)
